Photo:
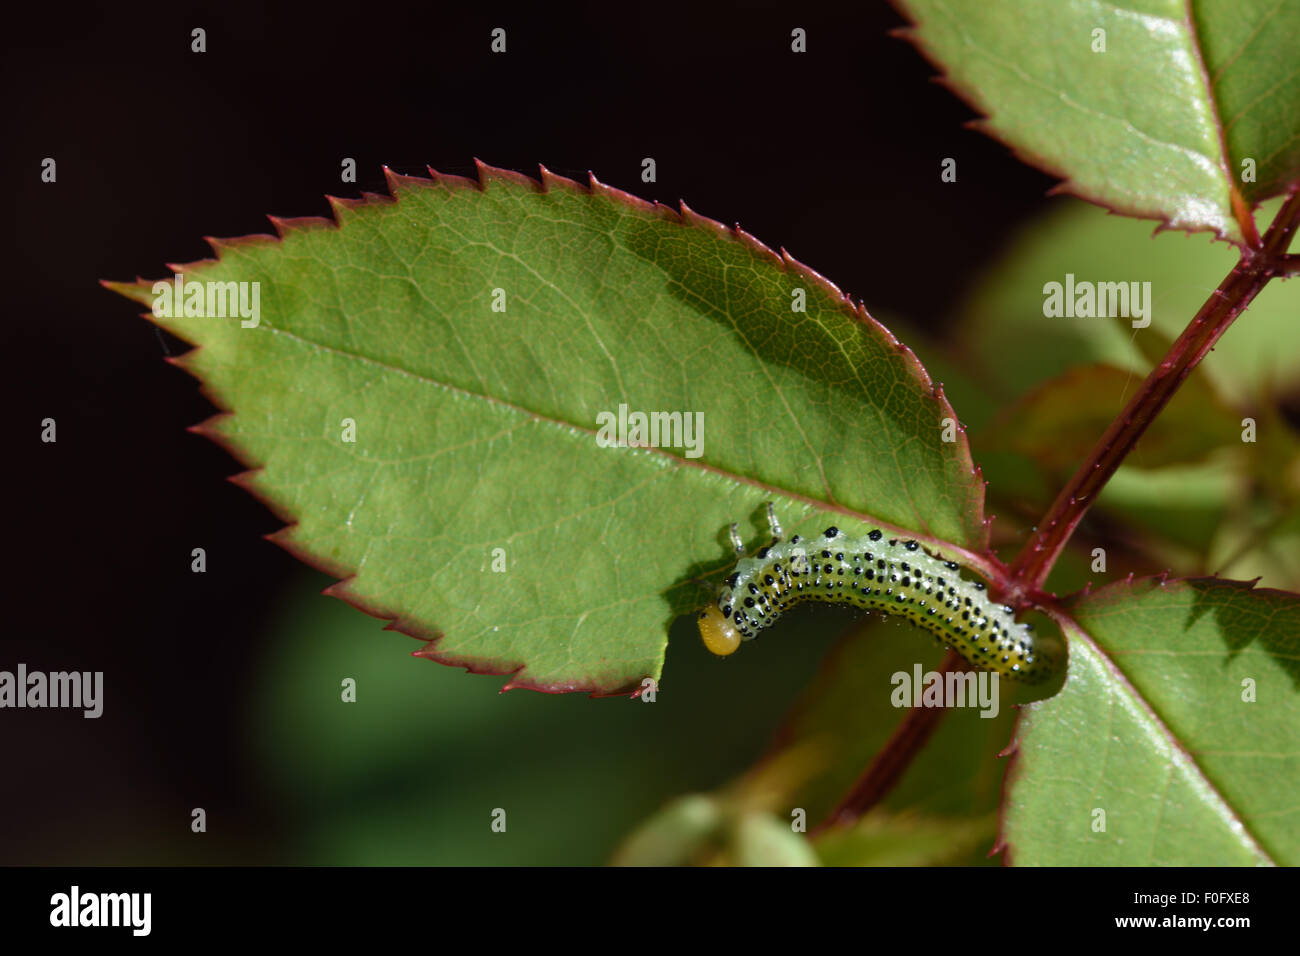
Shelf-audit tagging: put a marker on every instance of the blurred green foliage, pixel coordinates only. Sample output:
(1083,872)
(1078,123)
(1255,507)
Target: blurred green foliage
(412,771)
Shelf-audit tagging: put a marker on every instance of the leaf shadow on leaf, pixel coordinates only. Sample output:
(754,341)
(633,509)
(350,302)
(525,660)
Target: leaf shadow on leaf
(834,349)
(1237,635)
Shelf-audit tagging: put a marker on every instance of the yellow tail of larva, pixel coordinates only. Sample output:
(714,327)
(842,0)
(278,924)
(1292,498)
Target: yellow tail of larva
(719,634)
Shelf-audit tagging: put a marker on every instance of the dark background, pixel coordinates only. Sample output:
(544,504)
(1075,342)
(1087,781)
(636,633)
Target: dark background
(833,154)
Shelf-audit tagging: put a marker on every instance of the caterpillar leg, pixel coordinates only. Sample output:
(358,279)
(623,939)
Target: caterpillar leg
(772,523)
(716,629)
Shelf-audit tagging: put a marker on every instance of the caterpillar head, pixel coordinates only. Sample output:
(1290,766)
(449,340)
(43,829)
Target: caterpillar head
(718,633)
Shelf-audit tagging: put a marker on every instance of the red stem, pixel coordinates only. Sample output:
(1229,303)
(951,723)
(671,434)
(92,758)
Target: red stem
(894,758)
(1256,267)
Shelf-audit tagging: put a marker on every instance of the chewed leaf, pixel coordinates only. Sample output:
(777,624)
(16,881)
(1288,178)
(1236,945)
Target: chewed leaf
(1185,112)
(443,395)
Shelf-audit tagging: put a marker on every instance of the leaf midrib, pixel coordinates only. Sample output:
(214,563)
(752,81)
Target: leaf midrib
(1148,711)
(975,560)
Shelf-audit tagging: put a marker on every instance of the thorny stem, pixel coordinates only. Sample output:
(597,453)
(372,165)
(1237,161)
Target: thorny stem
(1258,264)
(1024,578)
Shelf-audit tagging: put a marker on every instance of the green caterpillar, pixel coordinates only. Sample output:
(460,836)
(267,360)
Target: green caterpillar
(889,574)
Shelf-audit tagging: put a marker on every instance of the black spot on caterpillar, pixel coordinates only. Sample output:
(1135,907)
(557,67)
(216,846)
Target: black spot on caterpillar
(891,575)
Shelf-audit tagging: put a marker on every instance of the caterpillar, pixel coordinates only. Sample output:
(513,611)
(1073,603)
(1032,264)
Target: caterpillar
(893,575)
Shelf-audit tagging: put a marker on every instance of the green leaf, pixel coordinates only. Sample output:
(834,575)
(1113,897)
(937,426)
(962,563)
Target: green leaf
(477,430)
(1249,51)
(1005,333)
(1058,423)
(950,367)
(1153,116)
(1157,728)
